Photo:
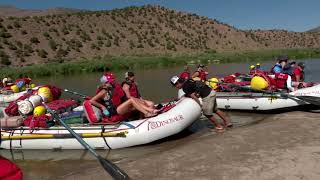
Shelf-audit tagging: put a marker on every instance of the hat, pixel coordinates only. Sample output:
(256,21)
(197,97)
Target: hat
(201,65)
(174,80)
(258,64)
(301,64)
(128,74)
(107,78)
(252,67)
(283,58)
(7,81)
(293,62)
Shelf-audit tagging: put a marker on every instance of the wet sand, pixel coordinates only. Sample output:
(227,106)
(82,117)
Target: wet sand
(282,146)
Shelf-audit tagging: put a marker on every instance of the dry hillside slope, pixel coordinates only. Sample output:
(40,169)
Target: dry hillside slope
(130,31)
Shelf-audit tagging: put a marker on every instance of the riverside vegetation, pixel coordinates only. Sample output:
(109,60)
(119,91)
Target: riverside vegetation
(116,63)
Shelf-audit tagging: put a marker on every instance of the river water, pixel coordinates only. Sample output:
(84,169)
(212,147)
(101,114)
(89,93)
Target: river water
(153,84)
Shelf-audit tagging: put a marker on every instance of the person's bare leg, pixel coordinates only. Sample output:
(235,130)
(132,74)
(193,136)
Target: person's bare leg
(214,121)
(130,105)
(142,103)
(226,120)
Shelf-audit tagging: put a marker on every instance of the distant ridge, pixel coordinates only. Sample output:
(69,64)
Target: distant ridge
(7,11)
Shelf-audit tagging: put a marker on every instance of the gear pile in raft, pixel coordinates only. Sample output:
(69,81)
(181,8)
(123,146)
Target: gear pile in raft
(29,120)
(280,88)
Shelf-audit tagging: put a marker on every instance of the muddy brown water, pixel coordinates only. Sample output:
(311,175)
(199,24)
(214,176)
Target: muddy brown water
(153,84)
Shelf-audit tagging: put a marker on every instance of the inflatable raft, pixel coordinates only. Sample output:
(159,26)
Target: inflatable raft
(251,101)
(183,113)
(265,102)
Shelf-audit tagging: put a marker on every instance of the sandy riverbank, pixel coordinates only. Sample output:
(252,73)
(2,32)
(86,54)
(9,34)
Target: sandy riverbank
(284,146)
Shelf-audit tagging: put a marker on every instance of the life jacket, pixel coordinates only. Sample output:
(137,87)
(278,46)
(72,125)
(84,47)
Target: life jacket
(9,171)
(24,80)
(229,79)
(185,75)
(301,74)
(281,80)
(272,69)
(133,88)
(202,75)
(253,71)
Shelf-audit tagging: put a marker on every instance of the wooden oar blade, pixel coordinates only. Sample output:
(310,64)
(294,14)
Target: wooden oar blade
(113,170)
(310,99)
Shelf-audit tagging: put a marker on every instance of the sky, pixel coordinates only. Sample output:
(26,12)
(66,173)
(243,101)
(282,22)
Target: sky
(292,15)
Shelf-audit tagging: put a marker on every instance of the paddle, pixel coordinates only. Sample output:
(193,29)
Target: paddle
(76,93)
(309,99)
(111,168)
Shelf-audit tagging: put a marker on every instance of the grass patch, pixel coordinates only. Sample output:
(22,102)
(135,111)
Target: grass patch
(153,61)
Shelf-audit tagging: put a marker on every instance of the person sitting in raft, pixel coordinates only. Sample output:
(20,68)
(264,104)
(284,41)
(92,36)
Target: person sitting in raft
(109,101)
(186,73)
(278,67)
(289,68)
(298,76)
(252,70)
(130,88)
(23,81)
(198,89)
(201,73)
(258,67)
(7,82)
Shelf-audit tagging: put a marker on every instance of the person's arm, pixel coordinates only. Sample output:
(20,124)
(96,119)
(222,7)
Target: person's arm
(196,98)
(126,89)
(289,83)
(196,74)
(95,100)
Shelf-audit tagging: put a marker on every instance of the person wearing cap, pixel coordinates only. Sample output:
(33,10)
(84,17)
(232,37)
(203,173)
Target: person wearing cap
(201,73)
(198,89)
(130,88)
(289,68)
(252,70)
(278,68)
(298,73)
(110,103)
(258,67)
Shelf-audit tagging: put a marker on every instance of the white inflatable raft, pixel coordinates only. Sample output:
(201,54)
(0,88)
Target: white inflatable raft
(127,134)
(262,101)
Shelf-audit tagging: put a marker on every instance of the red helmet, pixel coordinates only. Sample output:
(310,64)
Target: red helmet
(108,78)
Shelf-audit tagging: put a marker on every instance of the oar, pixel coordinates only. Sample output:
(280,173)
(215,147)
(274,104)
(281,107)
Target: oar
(65,136)
(111,168)
(76,93)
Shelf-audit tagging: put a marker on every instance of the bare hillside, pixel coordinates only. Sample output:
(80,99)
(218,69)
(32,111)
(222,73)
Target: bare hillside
(130,31)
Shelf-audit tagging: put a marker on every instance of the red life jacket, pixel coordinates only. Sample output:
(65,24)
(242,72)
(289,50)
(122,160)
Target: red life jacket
(9,171)
(253,71)
(118,95)
(301,73)
(133,88)
(202,75)
(185,75)
(281,80)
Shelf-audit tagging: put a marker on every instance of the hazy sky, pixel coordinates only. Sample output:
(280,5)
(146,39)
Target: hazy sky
(293,15)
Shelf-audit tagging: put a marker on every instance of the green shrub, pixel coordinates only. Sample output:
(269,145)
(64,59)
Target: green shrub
(4,34)
(4,59)
(24,32)
(42,53)
(16,24)
(34,40)
(52,44)
(46,35)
